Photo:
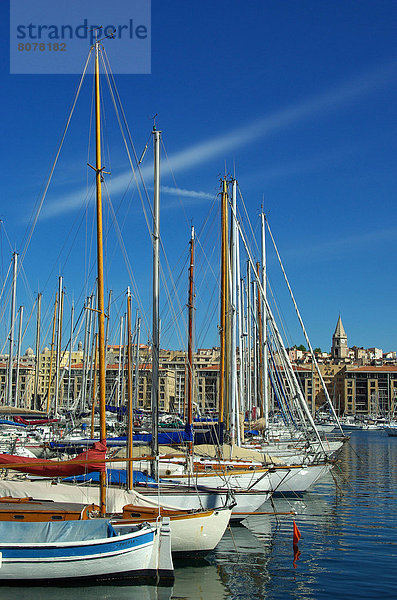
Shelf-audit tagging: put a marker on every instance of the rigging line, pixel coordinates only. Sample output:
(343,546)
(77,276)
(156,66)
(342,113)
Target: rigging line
(203,272)
(314,359)
(205,240)
(208,319)
(283,353)
(184,256)
(134,171)
(69,240)
(117,101)
(116,97)
(168,295)
(126,259)
(28,321)
(208,263)
(41,201)
(281,319)
(252,235)
(3,288)
(89,245)
(215,204)
(174,180)
(122,225)
(248,219)
(27,284)
(140,172)
(90,184)
(6,235)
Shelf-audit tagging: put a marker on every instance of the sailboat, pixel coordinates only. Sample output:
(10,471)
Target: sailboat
(85,549)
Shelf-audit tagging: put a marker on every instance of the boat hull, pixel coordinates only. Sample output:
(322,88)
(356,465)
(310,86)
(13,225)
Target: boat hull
(129,556)
(194,534)
(287,479)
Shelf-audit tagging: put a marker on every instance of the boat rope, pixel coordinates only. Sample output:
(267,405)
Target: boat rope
(314,360)
(34,219)
(122,121)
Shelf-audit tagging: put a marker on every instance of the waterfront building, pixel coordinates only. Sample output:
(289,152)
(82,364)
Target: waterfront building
(371,390)
(21,398)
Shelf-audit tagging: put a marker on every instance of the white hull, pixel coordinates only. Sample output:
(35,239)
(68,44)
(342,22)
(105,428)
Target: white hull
(289,479)
(298,479)
(191,498)
(195,533)
(143,552)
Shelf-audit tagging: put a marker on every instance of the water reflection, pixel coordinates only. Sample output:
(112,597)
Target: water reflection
(348,533)
(94,592)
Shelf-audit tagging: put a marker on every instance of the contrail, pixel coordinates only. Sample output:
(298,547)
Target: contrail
(222,145)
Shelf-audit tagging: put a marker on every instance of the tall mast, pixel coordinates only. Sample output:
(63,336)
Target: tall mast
(155,324)
(101,302)
(58,349)
(260,342)
(249,346)
(224,286)
(130,407)
(255,347)
(52,355)
(264,328)
(189,366)
(13,303)
(137,359)
(37,369)
(18,355)
(119,372)
(70,353)
(233,317)
(87,330)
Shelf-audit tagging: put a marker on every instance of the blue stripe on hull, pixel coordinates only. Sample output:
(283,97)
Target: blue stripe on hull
(79,552)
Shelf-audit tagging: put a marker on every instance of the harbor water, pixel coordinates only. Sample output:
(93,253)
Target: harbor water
(347,549)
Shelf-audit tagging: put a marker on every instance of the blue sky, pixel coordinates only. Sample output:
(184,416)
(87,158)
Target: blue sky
(298,99)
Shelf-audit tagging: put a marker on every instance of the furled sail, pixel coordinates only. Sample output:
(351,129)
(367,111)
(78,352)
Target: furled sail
(86,462)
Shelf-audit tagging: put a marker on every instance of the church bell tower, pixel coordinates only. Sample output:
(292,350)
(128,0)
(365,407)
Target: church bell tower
(339,342)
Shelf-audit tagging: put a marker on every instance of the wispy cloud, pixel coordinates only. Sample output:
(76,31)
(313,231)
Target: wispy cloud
(183,193)
(223,144)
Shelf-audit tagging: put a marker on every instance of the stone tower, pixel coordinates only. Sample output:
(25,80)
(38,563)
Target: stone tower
(339,342)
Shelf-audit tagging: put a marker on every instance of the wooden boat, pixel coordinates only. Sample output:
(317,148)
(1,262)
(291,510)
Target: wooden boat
(192,531)
(42,542)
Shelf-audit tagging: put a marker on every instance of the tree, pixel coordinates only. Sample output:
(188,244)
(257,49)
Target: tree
(301,347)
(318,351)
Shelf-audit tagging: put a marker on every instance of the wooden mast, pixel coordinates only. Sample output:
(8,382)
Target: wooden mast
(101,303)
(189,366)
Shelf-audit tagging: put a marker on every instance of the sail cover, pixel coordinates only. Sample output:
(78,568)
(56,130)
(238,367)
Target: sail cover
(82,463)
